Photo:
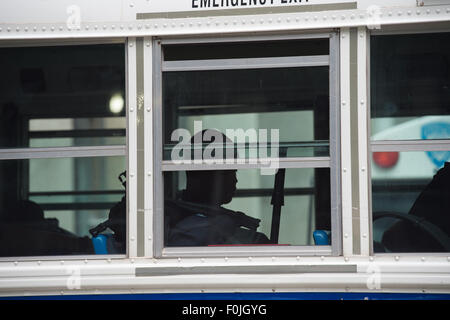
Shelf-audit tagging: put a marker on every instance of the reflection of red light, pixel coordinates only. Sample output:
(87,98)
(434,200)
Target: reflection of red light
(385,159)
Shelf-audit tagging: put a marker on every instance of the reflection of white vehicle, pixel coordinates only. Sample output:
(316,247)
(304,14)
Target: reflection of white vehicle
(401,168)
(411,165)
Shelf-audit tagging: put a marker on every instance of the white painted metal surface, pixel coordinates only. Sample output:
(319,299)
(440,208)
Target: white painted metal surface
(363,120)
(148,152)
(62,20)
(346,169)
(132,148)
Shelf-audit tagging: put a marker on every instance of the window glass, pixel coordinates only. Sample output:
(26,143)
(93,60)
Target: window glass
(254,49)
(293,101)
(229,207)
(56,200)
(410,201)
(62,96)
(410,99)
(410,86)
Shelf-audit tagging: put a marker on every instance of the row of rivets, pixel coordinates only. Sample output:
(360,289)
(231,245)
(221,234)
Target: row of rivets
(235,22)
(226,259)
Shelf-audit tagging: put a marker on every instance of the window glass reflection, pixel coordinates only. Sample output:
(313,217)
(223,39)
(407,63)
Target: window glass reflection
(293,101)
(229,207)
(410,201)
(410,86)
(48,206)
(70,92)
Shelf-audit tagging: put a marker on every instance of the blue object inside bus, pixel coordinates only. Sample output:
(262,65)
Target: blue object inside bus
(104,243)
(321,237)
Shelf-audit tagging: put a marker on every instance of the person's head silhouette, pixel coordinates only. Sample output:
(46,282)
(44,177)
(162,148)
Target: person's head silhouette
(213,187)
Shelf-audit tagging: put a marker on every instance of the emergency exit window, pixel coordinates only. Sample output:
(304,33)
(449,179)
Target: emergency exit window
(248,145)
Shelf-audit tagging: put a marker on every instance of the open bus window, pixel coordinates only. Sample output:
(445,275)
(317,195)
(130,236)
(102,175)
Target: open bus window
(62,146)
(247,154)
(410,122)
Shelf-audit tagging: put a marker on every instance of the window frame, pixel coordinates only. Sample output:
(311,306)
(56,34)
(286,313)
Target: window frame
(422,145)
(91,151)
(332,161)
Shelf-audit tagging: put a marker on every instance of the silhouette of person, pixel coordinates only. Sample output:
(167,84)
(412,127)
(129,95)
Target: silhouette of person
(431,206)
(198,218)
(25,231)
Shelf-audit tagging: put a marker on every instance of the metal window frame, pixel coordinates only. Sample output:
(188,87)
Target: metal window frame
(332,162)
(398,145)
(70,152)
(245,63)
